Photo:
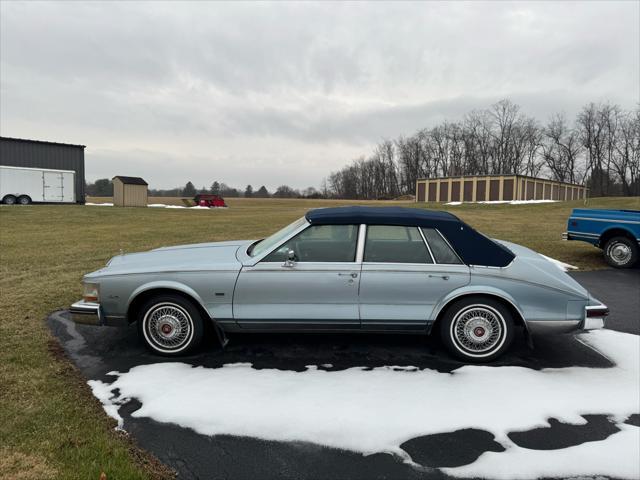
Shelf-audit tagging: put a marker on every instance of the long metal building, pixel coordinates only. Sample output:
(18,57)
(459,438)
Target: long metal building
(18,152)
(496,188)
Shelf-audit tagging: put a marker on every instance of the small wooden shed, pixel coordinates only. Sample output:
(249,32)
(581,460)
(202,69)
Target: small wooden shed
(129,191)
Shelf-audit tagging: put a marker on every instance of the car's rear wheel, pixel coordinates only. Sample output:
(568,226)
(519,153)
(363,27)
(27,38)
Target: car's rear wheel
(621,252)
(170,325)
(477,329)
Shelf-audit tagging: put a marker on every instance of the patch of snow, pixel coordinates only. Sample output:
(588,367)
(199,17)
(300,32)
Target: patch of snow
(565,267)
(616,456)
(159,205)
(376,410)
(102,392)
(504,202)
(524,202)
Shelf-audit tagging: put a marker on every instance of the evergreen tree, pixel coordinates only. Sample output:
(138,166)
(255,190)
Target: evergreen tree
(189,190)
(262,192)
(248,192)
(215,188)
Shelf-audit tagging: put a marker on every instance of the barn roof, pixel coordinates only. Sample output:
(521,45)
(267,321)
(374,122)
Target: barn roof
(131,180)
(473,247)
(28,140)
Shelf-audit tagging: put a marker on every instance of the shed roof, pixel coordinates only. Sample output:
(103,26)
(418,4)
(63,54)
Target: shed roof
(130,180)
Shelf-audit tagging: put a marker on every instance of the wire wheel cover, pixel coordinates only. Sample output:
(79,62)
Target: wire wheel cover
(478,329)
(168,326)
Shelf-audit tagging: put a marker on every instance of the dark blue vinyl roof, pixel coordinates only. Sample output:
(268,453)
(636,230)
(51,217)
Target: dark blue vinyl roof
(378,215)
(472,247)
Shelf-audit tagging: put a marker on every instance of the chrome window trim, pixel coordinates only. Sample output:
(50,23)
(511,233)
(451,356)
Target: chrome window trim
(433,259)
(362,235)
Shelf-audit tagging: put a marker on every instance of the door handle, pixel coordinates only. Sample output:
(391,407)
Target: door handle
(444,277)
(352,275)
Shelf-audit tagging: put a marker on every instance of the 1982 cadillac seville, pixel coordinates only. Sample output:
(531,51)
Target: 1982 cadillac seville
(374,269)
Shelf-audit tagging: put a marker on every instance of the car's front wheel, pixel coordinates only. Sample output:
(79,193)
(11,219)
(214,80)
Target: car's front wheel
(477,329)
(621,252)
(170,325)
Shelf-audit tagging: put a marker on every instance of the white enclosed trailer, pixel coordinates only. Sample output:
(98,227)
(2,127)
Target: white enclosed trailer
(25,185)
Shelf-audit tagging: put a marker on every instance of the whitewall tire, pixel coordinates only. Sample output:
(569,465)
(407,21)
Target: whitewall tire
(170,325)
(477,329)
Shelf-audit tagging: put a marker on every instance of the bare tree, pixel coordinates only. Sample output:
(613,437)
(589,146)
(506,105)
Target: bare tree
(561,149)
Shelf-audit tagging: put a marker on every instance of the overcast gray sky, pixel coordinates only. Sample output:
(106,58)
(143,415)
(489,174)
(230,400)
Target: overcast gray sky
(273,93)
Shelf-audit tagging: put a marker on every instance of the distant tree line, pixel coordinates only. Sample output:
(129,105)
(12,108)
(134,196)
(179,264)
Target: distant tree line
(104,188)
(599,148)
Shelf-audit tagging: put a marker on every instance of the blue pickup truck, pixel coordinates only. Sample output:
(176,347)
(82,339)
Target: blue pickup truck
(616,232)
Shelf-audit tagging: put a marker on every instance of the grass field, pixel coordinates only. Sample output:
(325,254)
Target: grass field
(50,425)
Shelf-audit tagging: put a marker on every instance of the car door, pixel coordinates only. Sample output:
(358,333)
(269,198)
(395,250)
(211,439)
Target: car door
(317,289)
(403,279)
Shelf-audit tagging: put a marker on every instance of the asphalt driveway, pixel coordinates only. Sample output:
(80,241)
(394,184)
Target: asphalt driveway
(97,351)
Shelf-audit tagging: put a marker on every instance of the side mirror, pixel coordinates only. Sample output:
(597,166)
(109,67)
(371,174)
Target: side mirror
(291,259)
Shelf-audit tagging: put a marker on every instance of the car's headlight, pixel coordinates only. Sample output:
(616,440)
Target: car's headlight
(91,292)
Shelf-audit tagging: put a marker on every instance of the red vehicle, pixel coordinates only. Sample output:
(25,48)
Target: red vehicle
(209,200)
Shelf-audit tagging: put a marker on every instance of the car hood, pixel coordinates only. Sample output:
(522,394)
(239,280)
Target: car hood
(532,267)
(181,258)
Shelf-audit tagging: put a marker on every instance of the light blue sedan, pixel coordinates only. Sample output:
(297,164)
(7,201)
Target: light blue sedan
(366,269)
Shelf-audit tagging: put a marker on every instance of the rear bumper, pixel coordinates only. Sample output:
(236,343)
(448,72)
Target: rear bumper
(594,317)
(88,313)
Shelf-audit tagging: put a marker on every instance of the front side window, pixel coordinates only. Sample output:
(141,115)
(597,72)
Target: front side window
(320,243)
(441,250)
(268,243)
(391,244)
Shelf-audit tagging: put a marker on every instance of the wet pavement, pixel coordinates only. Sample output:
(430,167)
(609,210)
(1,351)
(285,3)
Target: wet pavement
(97,351)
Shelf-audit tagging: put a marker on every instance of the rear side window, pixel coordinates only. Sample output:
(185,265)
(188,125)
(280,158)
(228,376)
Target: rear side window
(390,244)
(320,243)
(441,250)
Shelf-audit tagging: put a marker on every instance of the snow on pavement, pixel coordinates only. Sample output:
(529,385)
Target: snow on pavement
(376,410)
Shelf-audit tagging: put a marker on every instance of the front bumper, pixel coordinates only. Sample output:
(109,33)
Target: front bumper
(89,313)
(565,235)
(86,313)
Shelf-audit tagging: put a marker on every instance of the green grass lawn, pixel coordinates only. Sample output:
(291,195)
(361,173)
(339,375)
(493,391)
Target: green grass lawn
(50,425)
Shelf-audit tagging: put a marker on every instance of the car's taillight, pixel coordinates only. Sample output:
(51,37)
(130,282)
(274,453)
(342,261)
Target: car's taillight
(597,312)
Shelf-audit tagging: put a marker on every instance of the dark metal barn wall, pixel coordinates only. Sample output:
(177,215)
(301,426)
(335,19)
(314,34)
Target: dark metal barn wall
(33,154)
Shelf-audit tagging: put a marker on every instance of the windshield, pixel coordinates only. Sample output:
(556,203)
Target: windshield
(268,243)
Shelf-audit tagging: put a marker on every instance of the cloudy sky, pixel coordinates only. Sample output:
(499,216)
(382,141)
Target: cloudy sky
(267,93)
